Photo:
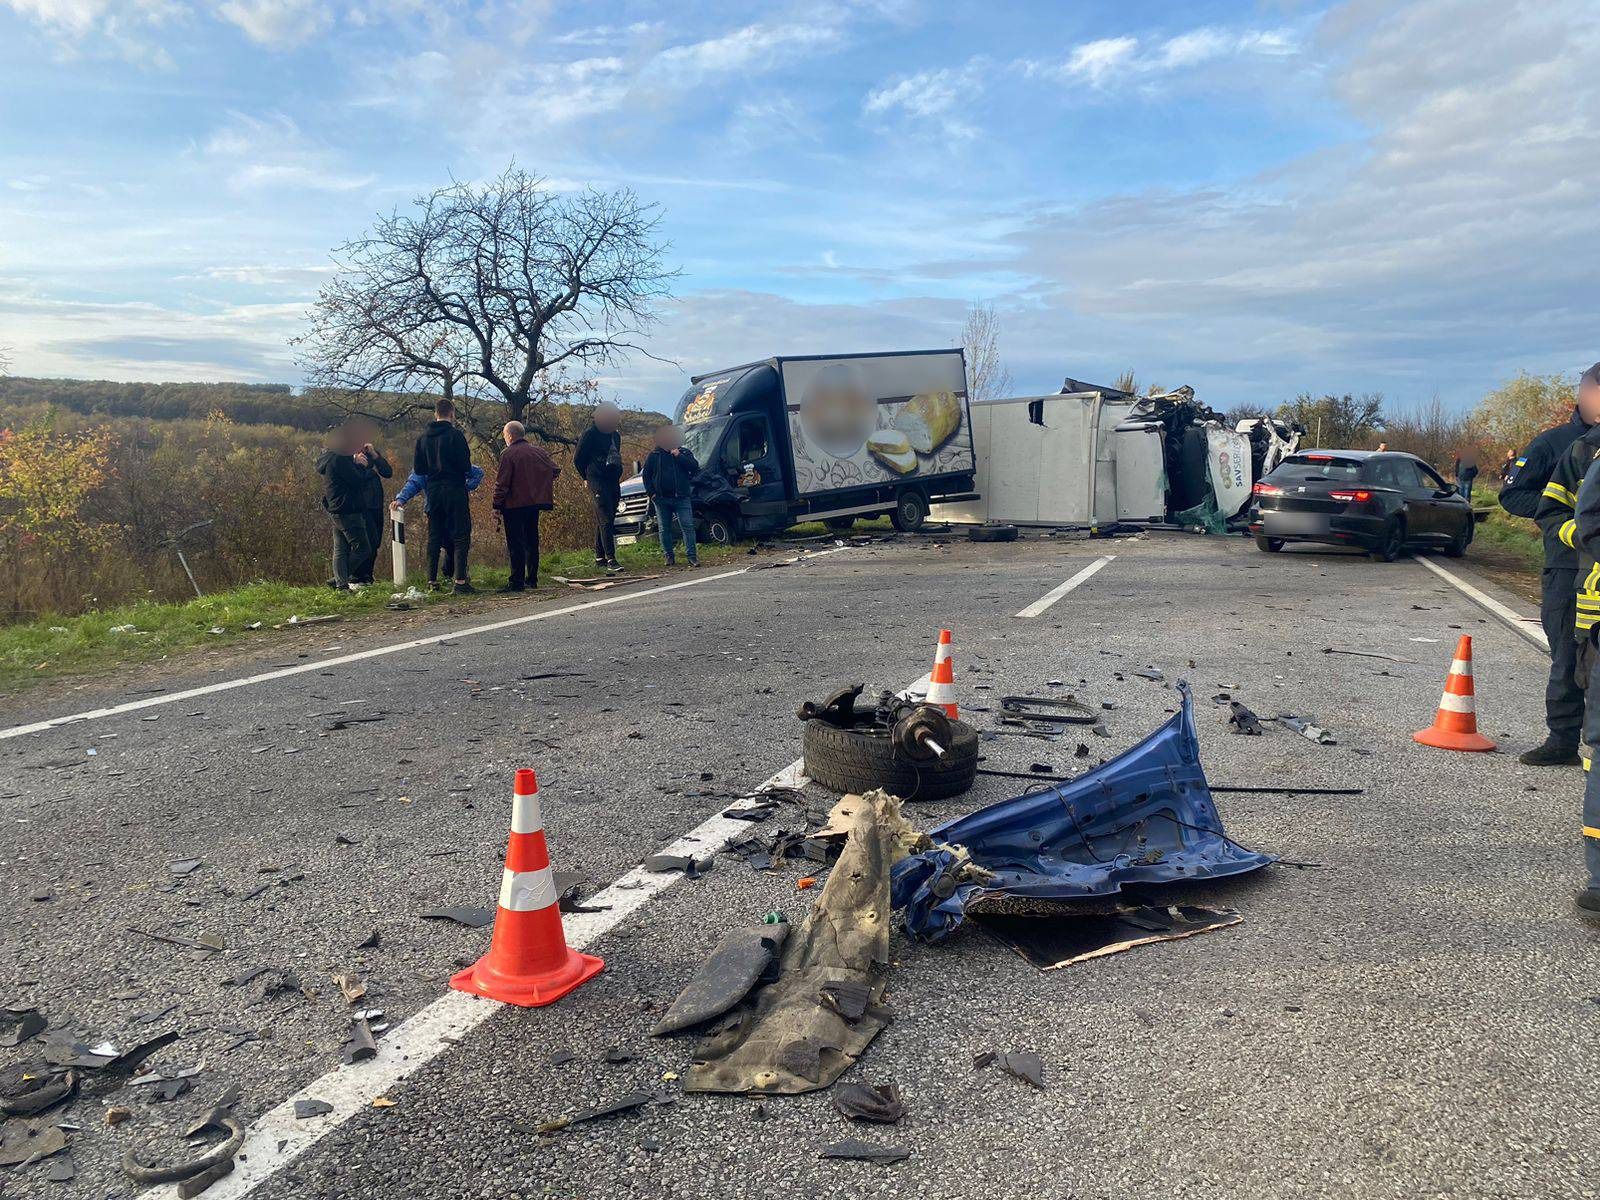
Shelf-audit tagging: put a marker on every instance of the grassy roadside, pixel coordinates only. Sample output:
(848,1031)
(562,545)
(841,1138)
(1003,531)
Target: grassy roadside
(1507,549)
(56,646)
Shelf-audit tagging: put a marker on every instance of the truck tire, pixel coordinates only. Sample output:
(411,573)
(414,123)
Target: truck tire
(992,533)
(718,529)
(850,760)
(910,511)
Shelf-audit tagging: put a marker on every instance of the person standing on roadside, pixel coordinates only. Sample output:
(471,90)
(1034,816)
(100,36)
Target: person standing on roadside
(1582,533)
(377,469)
(1533,490)
(524,487)
(343,468)
(416,485)
(599,461)
(1466,472)
(443,460)
(668,474)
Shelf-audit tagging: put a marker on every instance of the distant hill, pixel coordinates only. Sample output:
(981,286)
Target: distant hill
(241,403)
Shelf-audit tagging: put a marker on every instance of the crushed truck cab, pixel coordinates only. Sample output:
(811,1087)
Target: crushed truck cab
(821,438)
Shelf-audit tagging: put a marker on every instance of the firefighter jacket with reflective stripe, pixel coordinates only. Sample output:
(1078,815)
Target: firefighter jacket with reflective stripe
(1527,492)
(1582,532)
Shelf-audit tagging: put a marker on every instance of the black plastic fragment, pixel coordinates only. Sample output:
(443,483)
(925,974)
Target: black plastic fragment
(461,914)
(1243,720)
(311,1108)
(880,1104)
(856,1150)
(627,1104)
(360,1045)
(25,1023)
(725,978)
(846,997)
(1025,1065)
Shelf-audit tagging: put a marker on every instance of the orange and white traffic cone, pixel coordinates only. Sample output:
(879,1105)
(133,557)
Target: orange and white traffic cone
(1455,727)
(942,682)
(528,961)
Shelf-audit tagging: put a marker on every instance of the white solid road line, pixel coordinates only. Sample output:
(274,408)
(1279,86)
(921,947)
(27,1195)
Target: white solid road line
(1528,627)
(376,652)
(1043,603)
(277,1138)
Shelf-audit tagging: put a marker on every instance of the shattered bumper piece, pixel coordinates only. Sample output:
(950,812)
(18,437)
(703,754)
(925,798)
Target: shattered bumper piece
(1145,817)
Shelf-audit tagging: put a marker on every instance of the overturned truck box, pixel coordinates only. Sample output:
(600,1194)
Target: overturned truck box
(1145,817)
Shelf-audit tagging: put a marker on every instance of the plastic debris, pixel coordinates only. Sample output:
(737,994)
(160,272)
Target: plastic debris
(472,918)
(22,1142)
(311,1108)
(22,1023)
(1312,733)
(1052,940)
(632,1102)
(199,1172)
(740,959)
(359,1046)
(858,1151)
(1024,1064)
(184,866)
(1243,720)
(878,1103)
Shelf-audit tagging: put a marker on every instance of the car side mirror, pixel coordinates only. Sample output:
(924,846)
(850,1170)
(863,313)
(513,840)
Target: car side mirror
(1444,493)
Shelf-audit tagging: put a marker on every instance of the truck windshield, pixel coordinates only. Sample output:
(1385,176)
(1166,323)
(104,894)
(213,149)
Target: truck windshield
(700,440)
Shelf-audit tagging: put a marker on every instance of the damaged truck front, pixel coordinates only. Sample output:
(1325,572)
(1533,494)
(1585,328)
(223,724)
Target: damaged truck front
(829,438)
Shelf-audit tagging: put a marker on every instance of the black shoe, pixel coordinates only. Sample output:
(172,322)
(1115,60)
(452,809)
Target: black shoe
(613,568)
(1550,754)
(433,585)
(511,587)
(599,564)
(694,562)
(462,587)
(1588,902)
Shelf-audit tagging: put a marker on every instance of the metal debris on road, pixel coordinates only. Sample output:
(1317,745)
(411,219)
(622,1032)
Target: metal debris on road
(184,866)
(856,1150)
(23,1022)
(1144,817)
(1063,710)
(1312,733)
(1056,938)
(1024,1064)
(1243,720)
(878,1103)
(360,1044)
(632,1102)
(1367,654)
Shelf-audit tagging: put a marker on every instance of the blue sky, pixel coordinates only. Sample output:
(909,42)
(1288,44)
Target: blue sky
(1254,198)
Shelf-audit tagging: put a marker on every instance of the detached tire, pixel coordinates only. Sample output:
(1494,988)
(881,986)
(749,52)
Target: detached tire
(848,760)
(993,533)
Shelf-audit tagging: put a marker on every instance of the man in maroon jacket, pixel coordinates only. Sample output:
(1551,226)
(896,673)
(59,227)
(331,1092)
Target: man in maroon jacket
(523,488)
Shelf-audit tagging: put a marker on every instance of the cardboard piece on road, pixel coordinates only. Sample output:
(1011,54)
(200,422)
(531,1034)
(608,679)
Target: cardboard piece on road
(1056,940)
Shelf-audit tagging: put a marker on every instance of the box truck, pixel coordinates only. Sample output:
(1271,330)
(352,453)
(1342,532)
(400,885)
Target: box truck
(821,438)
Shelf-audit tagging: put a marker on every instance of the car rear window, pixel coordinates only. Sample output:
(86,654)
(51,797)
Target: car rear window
(1330,467)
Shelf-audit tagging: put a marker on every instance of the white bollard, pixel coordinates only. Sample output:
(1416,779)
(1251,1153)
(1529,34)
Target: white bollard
(398,541)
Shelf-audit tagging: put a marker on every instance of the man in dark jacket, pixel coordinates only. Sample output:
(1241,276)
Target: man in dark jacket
(599,461)
(343,467)
(523,488)
(377,469)
(1582,533)
(443,459)
(1531,492)
(668,474)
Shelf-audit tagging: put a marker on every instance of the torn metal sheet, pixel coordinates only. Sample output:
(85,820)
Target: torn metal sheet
(1144,817)
(791,1040)
(1313,733)
(725,978)
(1053,941)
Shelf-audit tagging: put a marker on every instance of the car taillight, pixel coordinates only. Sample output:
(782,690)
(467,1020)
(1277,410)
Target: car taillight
(1265,489)
(1356,497)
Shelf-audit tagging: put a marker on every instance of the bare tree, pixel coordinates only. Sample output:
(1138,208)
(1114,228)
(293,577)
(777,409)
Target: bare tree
(987,376)
(505,296)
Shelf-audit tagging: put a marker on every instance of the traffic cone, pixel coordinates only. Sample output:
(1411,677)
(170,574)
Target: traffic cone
(1456,725)
(942,682)
(528,961)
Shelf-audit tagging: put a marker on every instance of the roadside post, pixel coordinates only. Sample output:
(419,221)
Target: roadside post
(398,541)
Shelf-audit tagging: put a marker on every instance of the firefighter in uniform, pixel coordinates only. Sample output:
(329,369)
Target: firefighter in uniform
(1582,532)
(1532,491)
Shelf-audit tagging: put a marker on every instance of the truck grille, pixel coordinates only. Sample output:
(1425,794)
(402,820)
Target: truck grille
(633,509)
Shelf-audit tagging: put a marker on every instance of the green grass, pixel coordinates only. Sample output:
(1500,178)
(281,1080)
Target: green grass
(54,646)
(1514,541)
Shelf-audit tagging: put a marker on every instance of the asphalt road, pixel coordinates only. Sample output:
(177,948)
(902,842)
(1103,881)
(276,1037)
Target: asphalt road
(1415,1016)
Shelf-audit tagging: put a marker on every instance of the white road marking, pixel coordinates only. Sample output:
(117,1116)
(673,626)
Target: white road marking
(1528,627)
(376,652)
(1043,603)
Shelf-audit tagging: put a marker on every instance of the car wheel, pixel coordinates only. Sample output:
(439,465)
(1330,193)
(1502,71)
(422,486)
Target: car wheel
(719,531)
(855,760)
(1393,544)
(1270,545)
(1458,544)
(910,511)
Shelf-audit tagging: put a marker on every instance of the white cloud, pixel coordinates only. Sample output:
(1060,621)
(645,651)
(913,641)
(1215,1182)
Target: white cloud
(278,23)
(126,28)
(1095,60)
(936,97)
(272,152)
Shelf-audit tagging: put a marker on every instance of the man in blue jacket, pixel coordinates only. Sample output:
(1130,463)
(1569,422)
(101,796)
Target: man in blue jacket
(416,483)
(668,473)
(1531,492)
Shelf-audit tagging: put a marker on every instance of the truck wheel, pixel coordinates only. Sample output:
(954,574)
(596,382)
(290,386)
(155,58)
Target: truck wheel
(840,524)
(910,511)
(718,530)
(992,533)
(850,760)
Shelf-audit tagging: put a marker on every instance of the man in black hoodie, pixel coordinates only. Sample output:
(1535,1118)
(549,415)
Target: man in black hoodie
(376,471)
(599,462)
(344,470)
(443,459)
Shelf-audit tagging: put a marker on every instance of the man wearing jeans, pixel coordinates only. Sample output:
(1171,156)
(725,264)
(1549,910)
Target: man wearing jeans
(523,488)
(599,462)
(344,470)
(668,475)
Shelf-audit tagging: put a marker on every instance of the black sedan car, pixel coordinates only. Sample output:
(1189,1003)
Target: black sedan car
(1379,501)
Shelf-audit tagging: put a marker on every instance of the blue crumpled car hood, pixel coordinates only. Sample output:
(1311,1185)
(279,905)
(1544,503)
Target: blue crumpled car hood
(1146,816)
